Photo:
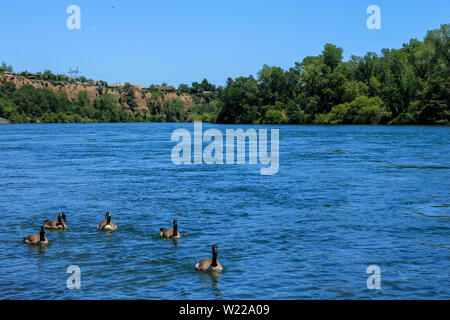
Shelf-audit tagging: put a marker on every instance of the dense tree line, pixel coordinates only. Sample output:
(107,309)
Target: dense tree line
(401,86)
(409,85)
(29,104)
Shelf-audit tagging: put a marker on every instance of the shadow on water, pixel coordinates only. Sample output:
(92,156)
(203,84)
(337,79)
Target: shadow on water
(211,279)
(41,248)
(416,167)
(174,241)
(108,233)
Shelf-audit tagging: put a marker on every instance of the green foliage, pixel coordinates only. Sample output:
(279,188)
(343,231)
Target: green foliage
(4,67)
(240,102)
(273,116)
(402,86)
(362,110)
(28,104)
(205,112)
(155,92)
(294,112)
(321,118)
(410,85)
(174,111)
(203,86)
(183,88)
(82,98)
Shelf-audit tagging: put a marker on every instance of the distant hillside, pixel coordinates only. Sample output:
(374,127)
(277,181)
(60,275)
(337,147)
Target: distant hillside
(410,85)
(133,101)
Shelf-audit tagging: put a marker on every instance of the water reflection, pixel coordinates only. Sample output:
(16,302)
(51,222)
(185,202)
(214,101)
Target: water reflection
(41,248)
(211,280)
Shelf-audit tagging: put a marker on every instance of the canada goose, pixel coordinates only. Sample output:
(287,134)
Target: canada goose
(170,233)
(37,238)
(210,264)
(59,224)
(107,225)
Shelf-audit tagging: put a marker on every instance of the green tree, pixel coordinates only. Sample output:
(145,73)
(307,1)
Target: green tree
(273,116)
(362,110)
(183,88)
(82,98)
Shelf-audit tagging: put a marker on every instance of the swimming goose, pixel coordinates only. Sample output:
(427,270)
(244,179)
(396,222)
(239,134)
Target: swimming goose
(37,238)
(107,225)
(170,233)
(210,264)
(59,224)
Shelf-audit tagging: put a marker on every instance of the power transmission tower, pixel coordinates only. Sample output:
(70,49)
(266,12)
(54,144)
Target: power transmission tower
(74,73)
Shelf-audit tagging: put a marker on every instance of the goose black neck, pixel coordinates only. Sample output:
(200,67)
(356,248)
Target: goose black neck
(108,219)
(175,230)
(214,260)
(59,220)
(42,235)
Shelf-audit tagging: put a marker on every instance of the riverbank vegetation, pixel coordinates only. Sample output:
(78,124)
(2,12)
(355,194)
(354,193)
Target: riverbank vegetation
(409,85)
(401,86)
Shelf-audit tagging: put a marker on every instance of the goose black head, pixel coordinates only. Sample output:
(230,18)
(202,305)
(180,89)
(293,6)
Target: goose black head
(215,249)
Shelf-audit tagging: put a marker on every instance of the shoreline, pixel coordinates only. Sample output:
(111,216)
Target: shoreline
(238,124)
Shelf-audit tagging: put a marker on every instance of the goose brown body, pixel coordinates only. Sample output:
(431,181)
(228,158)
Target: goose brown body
(205,265)
(56,224)
(107,225)
(36,238)
(210,264)
(170,233)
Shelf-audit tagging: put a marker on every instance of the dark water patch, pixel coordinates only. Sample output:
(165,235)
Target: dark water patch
(419,167)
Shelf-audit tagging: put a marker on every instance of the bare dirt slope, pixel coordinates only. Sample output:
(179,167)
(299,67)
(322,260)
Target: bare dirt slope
(140,96)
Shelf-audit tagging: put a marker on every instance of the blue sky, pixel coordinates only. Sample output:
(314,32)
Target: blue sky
(184,41)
